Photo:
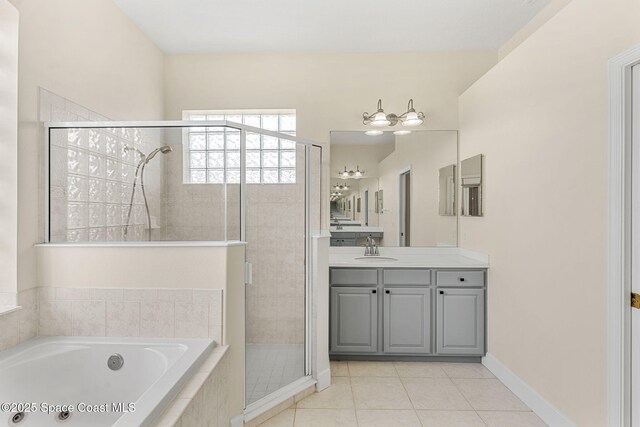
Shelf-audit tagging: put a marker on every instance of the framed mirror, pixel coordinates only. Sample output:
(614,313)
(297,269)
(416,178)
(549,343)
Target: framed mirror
(471,181)
(393,194)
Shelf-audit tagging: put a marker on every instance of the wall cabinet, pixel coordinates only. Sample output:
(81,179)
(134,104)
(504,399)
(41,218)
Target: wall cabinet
(407,312)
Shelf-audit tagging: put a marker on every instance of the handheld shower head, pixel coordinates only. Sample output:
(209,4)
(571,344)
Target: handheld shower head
(164,150)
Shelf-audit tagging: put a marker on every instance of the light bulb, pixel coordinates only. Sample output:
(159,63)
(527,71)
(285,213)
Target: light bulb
(373,132)
(402,132)
(379,119)
(412,119)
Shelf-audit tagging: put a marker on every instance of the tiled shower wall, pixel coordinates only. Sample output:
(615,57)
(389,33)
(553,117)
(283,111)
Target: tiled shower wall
(275,235)
(92,174)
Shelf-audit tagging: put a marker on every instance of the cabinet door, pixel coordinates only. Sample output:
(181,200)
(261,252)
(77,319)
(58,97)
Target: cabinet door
(407,320)
(460,321)
(354,320)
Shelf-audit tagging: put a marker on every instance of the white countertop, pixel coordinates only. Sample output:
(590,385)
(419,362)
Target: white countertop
(408,258)
(348,229)
(345,221)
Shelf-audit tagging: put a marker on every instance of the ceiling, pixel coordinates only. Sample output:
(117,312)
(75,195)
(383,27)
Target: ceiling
(203,26)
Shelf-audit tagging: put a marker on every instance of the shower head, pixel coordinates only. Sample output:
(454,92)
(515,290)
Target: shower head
(164,150)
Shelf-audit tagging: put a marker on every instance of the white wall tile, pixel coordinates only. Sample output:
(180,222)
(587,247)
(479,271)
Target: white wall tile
(157,319)
(192,320)
(123,318)
(55,318)
(89,318)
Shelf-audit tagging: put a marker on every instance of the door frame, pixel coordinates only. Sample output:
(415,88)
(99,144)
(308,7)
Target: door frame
(401,204)
(618,291)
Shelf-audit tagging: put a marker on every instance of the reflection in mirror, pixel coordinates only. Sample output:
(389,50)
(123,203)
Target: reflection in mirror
(395,200)
(447,191)
(471,177)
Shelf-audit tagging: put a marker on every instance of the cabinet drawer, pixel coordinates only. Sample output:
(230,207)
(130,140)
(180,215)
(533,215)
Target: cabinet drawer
(407,277)
(460,278)
(353,276)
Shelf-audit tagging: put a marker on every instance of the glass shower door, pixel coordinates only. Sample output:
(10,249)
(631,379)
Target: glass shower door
(276,236)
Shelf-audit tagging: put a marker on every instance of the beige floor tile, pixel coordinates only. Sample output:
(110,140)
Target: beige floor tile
(283,419)
(435,393)
(420,369)
(325,418)
(387,418)
(339,368)
(372,369)
(466,370)
(450,419)
(379,393)
(511,419)
(336,396)
(489,395)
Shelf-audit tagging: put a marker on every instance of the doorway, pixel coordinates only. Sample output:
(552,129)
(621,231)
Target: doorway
(623,243)
(366,208)
(405,208)
(635,247)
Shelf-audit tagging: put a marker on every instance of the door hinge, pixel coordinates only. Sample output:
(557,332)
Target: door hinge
(635,300)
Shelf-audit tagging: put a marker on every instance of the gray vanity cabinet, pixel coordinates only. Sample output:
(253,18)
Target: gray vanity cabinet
(460,321)
(354,319)
(407,320)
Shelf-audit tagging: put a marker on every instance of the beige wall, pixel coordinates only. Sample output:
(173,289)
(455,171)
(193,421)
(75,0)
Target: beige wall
(131,266)
(366,156)
(91,53)
(8,146)
(425,153)
(540,118)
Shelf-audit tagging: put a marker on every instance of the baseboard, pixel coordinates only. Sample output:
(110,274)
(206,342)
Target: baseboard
(323,379)
(237,421)
(546,411)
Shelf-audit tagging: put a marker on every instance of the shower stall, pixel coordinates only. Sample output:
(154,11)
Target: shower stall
(210,180)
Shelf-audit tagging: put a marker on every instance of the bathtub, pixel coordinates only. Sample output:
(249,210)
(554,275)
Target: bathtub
(58,381)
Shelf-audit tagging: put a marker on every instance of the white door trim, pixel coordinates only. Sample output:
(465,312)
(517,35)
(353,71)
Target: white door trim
(618,254)
(401,207)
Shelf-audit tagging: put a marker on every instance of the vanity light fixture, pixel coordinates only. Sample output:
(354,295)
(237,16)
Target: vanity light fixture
(401,132)
(339,186)
(373,132)
(380,119)
(345,174)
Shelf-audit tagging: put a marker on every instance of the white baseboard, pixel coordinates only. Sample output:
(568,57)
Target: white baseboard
(546,411)
(237,421)
(323,379)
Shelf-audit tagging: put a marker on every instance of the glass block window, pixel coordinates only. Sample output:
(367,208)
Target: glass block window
(213,154)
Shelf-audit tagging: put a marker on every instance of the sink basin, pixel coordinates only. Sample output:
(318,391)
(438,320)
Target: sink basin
(375,259)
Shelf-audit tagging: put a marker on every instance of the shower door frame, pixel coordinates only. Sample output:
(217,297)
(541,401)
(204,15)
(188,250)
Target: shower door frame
(269,400)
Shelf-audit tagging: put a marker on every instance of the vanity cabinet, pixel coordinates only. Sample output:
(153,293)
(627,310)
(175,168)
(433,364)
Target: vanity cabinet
(354,319)
(349,238)
(407,320)
(460,321)
(394,312)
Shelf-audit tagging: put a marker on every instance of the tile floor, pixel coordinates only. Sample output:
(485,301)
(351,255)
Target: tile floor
(271,366)
(409,394)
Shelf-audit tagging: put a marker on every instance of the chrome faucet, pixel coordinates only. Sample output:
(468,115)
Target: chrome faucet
(339,226)
(371,249)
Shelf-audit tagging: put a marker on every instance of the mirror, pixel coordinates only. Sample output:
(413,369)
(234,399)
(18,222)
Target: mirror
(471,180)
(447,193)
(398,189)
